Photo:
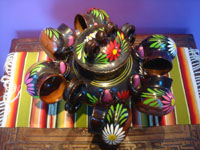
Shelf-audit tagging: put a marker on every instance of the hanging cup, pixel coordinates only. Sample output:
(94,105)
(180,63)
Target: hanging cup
(46,80)
(57,43)
(94,16)
(156,53)
(152,94)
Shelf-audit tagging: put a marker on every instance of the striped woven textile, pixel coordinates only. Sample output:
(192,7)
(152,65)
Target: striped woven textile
(19,109)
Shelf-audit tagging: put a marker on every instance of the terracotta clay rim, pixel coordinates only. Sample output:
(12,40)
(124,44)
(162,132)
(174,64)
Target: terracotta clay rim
(46,78)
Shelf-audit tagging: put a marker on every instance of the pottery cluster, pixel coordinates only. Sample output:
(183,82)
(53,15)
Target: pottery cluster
(97,63)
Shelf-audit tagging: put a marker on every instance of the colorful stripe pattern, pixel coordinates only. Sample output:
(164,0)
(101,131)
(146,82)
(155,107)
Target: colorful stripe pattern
(22,110)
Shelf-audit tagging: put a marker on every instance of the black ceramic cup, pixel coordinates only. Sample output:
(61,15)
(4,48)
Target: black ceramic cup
(152,94)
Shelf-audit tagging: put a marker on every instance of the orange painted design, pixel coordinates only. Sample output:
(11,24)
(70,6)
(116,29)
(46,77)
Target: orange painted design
(19,66)
(38,113)
(191,100)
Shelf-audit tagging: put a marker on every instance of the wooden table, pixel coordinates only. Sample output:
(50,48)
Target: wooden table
(177,137)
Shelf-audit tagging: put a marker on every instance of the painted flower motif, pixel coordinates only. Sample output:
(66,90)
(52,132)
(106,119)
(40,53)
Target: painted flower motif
(91,9)
(124,95)
(168,102)
(158,41)
(90,36)
(29,84)
(113,135)
(172,47)
(113,51)
(121,36)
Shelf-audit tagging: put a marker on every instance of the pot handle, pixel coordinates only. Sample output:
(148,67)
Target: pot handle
(73,95)
(135,82)
(129,31)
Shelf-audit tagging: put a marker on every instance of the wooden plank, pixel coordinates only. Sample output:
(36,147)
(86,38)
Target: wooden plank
(167,137)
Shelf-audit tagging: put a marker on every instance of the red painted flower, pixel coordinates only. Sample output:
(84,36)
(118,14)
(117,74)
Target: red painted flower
(124,95)
(91,9)
(113,51)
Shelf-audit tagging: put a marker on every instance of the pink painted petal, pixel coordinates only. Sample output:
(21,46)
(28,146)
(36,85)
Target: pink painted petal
(29,80)
(170,109)
(62,67)
(166,98)
(26,77)
(30,88)
(136,81)
(95,24)
(166,102)
(170,95)
(166,109)
(141,51)
(31,92)
(30,85)
(107,97)
(165,106)
(71,40)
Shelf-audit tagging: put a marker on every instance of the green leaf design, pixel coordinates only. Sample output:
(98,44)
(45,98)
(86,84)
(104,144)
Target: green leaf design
(158,41)
(119,36)
(50,32)
(99,12)
(38,67)
(79,51)
(101,29)
(149,101)
(92,99)
(124,46)
(101,59)
(151,97)
(117,114)
(159,36)
(56,33)
(105,14)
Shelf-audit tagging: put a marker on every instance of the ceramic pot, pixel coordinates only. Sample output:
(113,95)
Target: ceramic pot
(57,43)
(117,121)
(152,94)
(156,53)
(47,80)
(94,16)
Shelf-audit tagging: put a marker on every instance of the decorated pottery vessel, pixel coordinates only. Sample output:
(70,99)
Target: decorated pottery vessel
(96,64)
(46,80)
(152,94)
(156,53)
(57,43)
(94,16)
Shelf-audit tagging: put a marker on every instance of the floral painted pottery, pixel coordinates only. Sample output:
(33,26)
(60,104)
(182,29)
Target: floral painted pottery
(57,43)
(97,65)
(157,55)
(46,80)
(94,16)
(152,94)
(102,60)
(111,120)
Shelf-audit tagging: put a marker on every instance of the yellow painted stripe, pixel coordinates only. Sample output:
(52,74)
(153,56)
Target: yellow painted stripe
(181,108)
(25,100)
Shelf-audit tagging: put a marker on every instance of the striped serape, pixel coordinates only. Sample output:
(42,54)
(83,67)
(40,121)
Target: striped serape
(19,109)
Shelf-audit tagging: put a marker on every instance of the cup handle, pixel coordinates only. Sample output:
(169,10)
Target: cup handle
(73,95)
(129,31)
(135,82)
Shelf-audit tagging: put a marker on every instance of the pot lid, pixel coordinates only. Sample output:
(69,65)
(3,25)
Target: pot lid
(101,49)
